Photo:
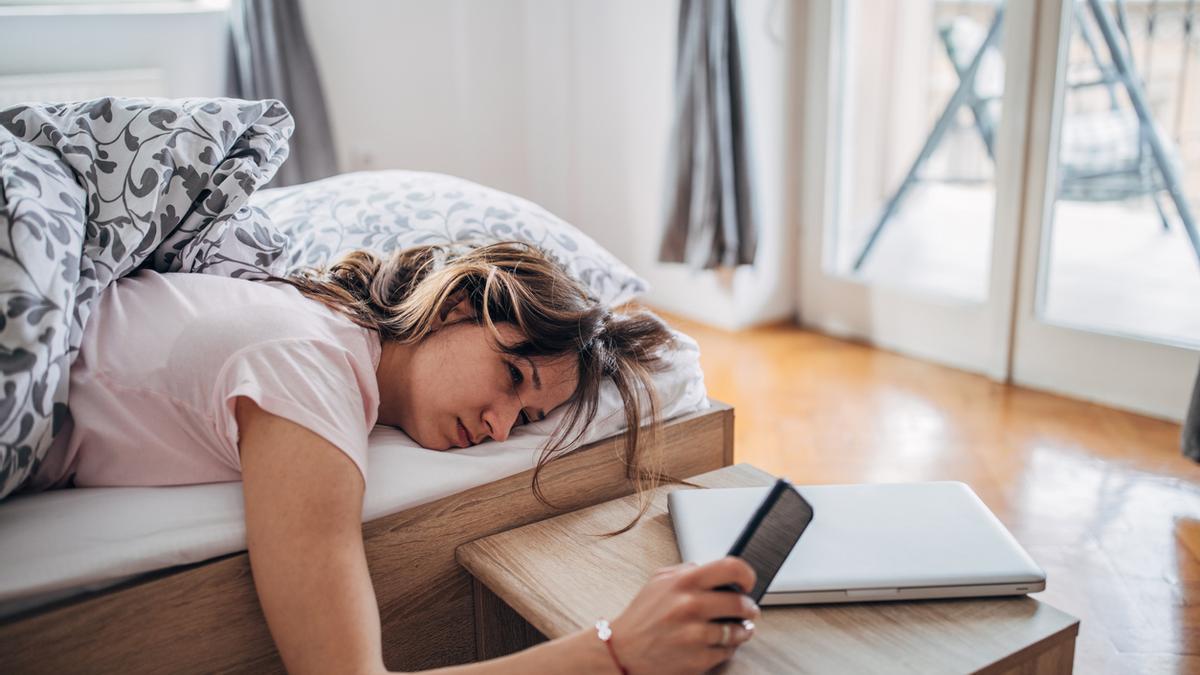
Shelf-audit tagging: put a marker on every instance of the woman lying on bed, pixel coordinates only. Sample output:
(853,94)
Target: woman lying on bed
(193,378)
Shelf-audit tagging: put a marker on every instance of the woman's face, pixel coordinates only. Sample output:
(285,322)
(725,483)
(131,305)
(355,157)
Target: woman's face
(454,388)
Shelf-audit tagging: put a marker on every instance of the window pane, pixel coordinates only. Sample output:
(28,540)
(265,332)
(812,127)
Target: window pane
(922,83)
(1119,257)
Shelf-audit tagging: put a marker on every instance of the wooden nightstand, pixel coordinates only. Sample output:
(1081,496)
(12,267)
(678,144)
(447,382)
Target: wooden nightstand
(556,576)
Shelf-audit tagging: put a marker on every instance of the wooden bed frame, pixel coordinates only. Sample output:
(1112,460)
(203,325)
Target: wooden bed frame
(206,617)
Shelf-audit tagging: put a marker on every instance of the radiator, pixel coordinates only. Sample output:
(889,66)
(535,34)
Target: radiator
(64,87)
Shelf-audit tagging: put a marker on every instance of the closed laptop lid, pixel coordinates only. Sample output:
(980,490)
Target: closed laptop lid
(866,536)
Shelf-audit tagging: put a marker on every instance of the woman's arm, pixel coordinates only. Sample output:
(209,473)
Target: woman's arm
(304,531)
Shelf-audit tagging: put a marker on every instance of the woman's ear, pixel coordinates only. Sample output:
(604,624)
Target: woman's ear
(456,309)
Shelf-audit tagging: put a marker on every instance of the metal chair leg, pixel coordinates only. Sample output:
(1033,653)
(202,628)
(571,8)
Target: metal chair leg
(1162,213)
(977,105)
(1158,147)
(960,96)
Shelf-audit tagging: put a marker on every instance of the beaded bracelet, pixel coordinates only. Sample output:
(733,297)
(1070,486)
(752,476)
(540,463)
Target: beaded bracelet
(605,634)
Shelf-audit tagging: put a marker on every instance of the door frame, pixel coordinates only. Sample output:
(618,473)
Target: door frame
(972,336)
(1152,378)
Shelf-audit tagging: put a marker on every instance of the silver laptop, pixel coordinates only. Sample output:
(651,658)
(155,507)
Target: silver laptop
(900,541)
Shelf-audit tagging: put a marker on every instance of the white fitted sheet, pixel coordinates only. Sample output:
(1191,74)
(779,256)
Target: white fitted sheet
(60,543)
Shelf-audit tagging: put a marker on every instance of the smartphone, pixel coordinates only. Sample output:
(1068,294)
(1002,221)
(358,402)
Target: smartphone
(771,534)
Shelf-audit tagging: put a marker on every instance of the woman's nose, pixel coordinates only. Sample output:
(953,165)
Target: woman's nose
(500,420)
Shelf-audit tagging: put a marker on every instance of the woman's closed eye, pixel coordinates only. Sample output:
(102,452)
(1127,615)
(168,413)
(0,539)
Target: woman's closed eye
(515,374)
(517,377)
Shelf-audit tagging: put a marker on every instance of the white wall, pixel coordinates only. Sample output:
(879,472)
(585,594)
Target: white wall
(568,104)
(187,41)
(426,84)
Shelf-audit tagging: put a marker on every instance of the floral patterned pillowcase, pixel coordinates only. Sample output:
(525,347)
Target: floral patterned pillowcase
(386,210)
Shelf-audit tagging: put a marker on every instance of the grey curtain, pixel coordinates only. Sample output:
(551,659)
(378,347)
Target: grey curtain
(709,221)
(1191,425)
(272,60)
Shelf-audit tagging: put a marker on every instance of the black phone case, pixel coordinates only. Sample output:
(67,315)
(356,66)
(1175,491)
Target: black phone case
(739,545)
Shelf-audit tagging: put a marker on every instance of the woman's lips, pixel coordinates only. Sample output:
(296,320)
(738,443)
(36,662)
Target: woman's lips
(464,439)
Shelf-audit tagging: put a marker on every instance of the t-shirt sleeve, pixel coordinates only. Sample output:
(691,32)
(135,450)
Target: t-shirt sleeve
(308,382)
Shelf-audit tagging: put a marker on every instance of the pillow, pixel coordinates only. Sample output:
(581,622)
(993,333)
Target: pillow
(387,210)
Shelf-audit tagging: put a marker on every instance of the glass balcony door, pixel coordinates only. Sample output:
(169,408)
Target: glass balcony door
(916,109)
(1009,187)
(1109,303)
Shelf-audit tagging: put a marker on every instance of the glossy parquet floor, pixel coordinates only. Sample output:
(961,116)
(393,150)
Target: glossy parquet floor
(1102,499)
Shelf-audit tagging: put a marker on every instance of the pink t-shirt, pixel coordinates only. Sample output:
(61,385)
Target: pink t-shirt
(163,358)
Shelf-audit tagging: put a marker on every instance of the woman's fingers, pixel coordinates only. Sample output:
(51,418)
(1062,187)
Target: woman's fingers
(668,627)
(727,635)
(727,570)
(673,569)
(723,604)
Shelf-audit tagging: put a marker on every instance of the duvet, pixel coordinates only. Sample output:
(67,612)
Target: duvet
(93,191)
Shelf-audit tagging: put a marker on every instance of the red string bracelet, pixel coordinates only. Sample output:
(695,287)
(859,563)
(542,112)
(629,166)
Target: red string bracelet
(605,634)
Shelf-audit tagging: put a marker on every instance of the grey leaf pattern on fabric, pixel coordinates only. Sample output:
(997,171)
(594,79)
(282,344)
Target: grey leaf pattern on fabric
(388,210)
(94,190)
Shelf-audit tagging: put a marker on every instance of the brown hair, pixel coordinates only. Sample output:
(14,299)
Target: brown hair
(512,282)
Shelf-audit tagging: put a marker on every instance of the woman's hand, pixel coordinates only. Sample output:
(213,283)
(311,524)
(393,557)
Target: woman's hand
(669,628)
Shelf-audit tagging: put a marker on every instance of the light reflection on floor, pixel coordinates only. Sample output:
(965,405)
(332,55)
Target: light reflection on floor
(1102,499)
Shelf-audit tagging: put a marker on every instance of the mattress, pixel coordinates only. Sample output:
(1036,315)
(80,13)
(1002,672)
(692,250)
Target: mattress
(64,542)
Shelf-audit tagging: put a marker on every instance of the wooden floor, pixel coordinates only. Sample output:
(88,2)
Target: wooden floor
(1102,499)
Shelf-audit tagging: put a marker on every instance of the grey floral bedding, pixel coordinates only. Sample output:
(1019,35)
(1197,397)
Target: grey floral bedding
(93,191)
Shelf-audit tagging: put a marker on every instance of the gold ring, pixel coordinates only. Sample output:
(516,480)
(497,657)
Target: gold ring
(724,635)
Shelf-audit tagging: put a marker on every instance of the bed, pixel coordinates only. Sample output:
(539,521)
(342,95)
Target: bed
(157,579)
(205,617)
